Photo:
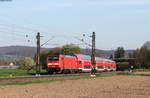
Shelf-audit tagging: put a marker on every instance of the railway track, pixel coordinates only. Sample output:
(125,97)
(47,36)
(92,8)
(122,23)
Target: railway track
(48,77)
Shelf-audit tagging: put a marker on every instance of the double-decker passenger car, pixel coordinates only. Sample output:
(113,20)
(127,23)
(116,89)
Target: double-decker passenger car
(100,64)
(84,63)
(77,63)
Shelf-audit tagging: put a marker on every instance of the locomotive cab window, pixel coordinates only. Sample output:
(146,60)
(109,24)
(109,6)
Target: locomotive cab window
(51,58)
(79,62)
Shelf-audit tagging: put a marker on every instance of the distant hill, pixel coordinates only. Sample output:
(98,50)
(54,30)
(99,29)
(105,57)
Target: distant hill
(17,51)
(104,53)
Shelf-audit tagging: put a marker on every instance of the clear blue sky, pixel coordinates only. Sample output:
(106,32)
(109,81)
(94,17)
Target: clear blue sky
(116,22)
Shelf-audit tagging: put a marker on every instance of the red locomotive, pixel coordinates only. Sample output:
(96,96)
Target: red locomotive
(62,63)
(77,63)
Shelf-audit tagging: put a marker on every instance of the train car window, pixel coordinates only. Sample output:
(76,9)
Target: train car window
(51,58)
(87,66)
(68,56)
(99,67)
(86,58)
(99,59)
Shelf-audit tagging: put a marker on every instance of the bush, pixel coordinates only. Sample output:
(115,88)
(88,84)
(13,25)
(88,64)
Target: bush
(142,70)
(26,63)
(146,65)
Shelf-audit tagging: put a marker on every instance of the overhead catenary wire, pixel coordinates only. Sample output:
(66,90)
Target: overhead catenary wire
(27,30)
(12,33)
(17,29)
(15,38)
(47,41)
(83,41)
(20,31)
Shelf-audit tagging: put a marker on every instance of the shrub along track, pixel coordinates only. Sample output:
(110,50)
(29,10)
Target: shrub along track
(49,77)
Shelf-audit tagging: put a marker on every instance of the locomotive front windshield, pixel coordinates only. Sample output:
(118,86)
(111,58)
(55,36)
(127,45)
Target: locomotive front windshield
(53,58)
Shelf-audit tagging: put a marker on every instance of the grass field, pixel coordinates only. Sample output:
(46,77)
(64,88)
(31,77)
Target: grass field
(135,73)
(17,72)
(20,72)
(74,78)
(141,70)
(51,80)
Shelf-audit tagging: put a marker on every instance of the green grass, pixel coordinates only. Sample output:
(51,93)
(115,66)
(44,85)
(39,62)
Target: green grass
(125,73)
(143,74)
(104,75)
(31,82)
(64,79)
(17,72)
(51,80)
(141,70)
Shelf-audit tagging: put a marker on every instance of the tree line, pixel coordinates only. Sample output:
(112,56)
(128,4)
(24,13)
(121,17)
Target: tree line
(29,63)
(66,50)
(141,56)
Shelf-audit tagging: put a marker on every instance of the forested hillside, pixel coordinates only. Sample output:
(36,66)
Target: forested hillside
(17,51)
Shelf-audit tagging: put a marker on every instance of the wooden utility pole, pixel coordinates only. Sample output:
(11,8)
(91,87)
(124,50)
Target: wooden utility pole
(93,54)
(38,54)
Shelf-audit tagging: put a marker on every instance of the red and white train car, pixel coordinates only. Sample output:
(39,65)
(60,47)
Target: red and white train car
(77,63)
(110,65)
(113,66)
(100,64)
(84,63)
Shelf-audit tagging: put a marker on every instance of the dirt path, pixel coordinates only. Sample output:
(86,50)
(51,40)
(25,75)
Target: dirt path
(106,87)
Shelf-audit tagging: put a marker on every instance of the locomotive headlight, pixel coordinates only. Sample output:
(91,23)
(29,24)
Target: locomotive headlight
(53,63)
(50,64)
(56,64)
